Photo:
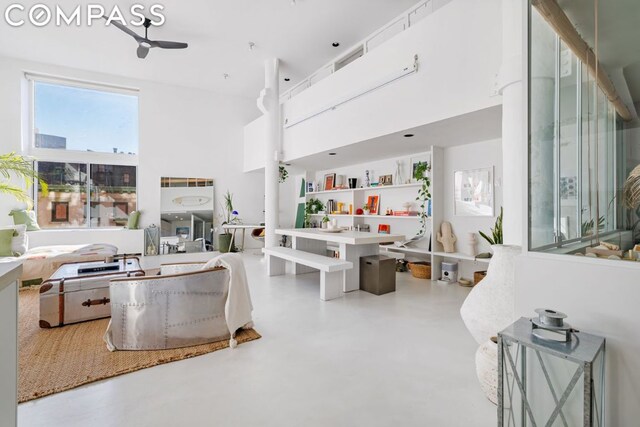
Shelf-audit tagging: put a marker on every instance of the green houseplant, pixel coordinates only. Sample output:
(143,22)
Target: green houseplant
(283,174)
(496,232)
(21,167)
(421,174)
(229,216)
(312,207)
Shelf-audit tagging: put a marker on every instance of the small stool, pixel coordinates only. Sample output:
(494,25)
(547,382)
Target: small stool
(377,274)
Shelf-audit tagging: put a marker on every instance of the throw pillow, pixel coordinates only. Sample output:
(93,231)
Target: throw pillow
(19,240)
(5,242)
(134,218)
(25,217)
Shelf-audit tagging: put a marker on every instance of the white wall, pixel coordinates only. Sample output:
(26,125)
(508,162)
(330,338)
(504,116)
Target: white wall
(456,75)
(183,132)
(467,157)
(600,297)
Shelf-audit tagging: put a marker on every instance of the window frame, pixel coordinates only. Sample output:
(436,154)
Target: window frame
(75,156)
(89,158)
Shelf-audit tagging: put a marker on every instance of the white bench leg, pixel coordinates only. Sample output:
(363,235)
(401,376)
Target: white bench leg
(331,285)
(275,266)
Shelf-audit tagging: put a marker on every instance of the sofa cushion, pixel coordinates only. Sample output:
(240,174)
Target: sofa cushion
(134,218)
(28,218)
(5,241)
(19,241)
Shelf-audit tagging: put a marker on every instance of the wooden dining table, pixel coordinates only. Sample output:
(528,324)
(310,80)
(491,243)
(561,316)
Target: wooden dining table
(352,245)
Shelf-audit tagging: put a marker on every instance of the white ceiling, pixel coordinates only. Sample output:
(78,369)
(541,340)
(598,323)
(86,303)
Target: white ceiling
(218,33)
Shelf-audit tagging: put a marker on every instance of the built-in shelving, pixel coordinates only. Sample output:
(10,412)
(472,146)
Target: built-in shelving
(380,217)
(461,256)
(376,188)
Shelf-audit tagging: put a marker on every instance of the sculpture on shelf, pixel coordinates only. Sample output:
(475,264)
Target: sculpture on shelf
(489,308)
(471,243)
(367,180)
(446,237)
(397,179)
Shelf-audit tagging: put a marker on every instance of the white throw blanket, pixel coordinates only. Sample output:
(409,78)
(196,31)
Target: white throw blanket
(239,307)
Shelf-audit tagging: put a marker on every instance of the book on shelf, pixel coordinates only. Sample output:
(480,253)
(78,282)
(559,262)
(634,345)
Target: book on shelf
(406,213)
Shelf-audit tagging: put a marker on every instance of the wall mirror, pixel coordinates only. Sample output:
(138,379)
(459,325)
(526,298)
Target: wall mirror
(186,215)
(584,132)
(473,192)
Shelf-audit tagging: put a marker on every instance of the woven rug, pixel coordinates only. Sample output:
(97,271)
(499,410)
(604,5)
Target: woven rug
(58,359)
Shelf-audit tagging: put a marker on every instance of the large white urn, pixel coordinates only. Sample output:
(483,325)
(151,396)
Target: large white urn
(489,307)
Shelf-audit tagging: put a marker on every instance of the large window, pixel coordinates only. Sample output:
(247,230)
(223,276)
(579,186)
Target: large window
(69,117)
(86,141)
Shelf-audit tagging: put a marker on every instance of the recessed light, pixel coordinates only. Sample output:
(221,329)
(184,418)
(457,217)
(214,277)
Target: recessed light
(335,44)
(226,76)
(408,135)
(332,154)
(287,164)
(286,79)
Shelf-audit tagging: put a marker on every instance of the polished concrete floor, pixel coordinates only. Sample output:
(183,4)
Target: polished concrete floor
(401,359)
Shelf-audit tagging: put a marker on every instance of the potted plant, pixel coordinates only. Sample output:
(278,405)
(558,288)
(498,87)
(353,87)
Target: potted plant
(229,216)
(22,168)
(283,174)
(496,232)
(366,209)
(325,221)
(312,207)
(421,174)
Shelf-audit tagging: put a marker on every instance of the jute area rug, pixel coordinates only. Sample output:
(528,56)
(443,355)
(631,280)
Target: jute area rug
(58,359)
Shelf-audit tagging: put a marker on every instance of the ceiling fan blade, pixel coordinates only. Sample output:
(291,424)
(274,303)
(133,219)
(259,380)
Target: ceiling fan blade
(125,29)
(168,45)
(142,51)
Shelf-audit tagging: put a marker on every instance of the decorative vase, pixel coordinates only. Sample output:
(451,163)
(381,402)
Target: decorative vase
(471,242)
(489,307)
(224,241)
(487,369)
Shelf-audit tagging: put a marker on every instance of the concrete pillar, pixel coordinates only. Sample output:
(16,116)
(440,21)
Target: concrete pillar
(269,104)
(514,143)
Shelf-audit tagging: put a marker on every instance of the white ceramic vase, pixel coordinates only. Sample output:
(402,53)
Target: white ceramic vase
(489,307)
(487,369)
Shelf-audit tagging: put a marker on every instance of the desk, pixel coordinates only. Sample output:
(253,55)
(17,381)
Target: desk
(353,245)
(235,228)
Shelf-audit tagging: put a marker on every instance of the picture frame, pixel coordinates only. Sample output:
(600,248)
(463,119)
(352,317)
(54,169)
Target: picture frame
(183,231)
(413,163)
(373,202)
(385,180)
(384,229)
(310,187)
(473,192)
(329,181)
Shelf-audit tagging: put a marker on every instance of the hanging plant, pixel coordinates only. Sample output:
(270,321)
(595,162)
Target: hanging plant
(283,174)
(421,174)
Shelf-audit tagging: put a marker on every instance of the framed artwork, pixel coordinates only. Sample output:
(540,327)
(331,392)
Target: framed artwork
(385,180)
(182,231)
(329,181)
(310,187)
(59,211)
(374,204)
(473,192)
(414,164)
(384,229)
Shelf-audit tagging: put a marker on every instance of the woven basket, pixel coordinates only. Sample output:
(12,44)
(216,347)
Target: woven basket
(478,276)
(420,270)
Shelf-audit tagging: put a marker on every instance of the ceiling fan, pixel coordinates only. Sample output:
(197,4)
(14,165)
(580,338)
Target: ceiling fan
(144,44)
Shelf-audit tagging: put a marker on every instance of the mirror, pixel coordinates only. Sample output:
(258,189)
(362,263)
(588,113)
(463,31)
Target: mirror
(186,215)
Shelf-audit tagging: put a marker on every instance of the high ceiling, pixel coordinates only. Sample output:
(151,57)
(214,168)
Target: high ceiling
(299,32)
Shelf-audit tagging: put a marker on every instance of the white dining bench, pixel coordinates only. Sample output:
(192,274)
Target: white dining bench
(332,270)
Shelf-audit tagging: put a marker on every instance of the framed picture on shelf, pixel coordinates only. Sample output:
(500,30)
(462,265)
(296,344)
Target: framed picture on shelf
(374,204)
(473,192)
(385,180)
(329,181)
(310,187)
(384,229)
(415,161)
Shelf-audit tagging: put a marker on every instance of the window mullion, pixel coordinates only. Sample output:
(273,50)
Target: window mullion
(88,190)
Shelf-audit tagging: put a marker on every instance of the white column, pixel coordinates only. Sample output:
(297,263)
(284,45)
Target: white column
(269,104)
(514,143)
